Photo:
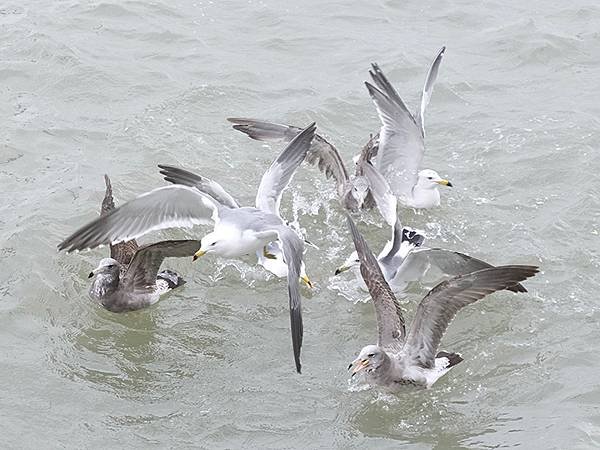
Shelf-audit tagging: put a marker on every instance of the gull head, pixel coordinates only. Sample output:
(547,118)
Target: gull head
(369,359)
(430,179)
(351,261)
(360,190)
(211,243)
(107,266)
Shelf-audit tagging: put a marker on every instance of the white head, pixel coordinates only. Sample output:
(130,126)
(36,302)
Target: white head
(369,359)
(213,242)
(351,261)
(429,179)
(107,266)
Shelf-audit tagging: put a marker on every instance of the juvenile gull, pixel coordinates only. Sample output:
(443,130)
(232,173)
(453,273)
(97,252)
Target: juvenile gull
(400,358)
(129,279)
(354,190)
(237,230)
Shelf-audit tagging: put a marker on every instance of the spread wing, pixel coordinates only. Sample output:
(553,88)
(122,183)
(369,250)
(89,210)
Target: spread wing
(141,273)
(440,305)
(279,174)
(321,153)
(450,263)
(173,206)
(382,194)
(390,322)
(177,175)
(401,145)
(124,251)
(293,249)
(428,89)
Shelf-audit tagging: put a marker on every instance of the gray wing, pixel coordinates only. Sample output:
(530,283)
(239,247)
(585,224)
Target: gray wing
(428,89)
(173,206)
(382,194)
(177,175)
(390,322)
(440,305)
(321,153)
(293,249)
(141,274)
(124,251)
(450,263)
(368,152)
(401,145)
(279,174)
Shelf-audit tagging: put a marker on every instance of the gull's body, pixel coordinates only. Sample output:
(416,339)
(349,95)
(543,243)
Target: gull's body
(411,358)
(396,151)
(237,230)
(129,279)
(411,262)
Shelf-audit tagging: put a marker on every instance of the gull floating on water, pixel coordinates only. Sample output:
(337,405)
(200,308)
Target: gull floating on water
(400,358)
(237,230)
(396,151)
(129,279)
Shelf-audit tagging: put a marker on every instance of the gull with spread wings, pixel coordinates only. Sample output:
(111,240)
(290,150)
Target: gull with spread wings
(400,358)
(129,279)
(237,230)
(396,150)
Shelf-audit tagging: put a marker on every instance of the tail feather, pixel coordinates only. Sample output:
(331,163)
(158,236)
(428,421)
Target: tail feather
(453,358)
(172,278)
(412,236)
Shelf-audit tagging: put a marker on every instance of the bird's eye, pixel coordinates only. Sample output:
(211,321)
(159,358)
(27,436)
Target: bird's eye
(370,355)
(357,260)
(430,178)
(213,244)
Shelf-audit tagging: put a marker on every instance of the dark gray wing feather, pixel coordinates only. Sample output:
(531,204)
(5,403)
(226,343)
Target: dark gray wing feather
(177,175)
(440,305)
(124,251)
(390,322)
(141,274)
(321,153)
(293,248)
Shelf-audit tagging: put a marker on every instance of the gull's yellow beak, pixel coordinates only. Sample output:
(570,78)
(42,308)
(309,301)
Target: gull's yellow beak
(444,183)
(307,281)
(358,365)
(198,254)
(341,269)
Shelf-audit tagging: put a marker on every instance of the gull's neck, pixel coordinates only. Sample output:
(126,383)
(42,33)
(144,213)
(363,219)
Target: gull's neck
(424,197)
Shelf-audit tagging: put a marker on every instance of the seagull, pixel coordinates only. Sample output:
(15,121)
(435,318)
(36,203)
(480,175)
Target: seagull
(237,230)
(396,150)
(129,279)
(271,256)
(400,358)
(403,260)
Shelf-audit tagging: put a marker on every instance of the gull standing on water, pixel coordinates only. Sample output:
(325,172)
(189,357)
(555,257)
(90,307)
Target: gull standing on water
(400,358)
(129,279)
(396,151)
(237,231)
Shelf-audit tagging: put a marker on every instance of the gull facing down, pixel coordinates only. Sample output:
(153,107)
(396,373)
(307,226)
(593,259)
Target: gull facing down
(237,230)
(400,358)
